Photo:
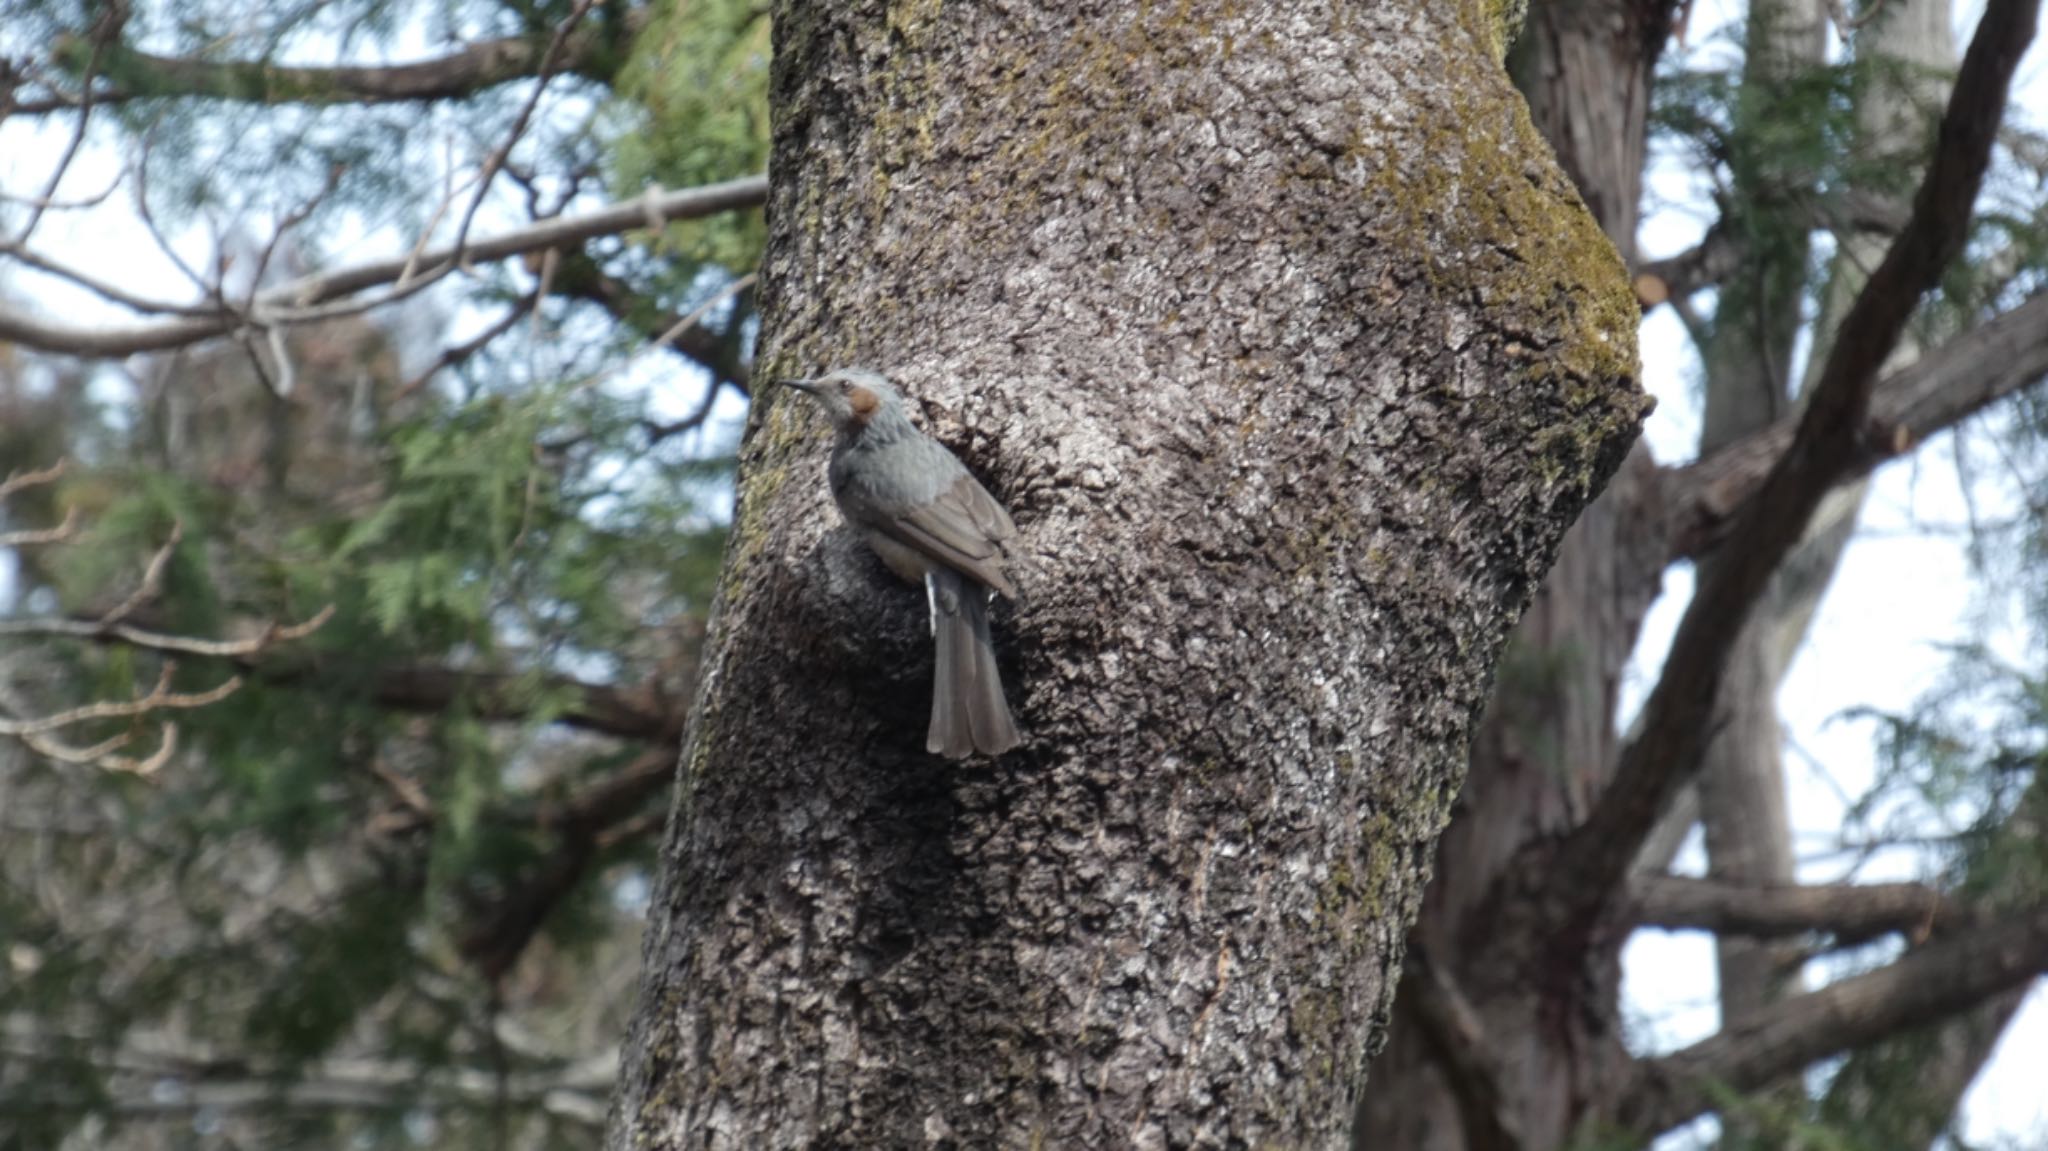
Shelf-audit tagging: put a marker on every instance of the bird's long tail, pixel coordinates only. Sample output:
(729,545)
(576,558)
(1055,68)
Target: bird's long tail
(969,713)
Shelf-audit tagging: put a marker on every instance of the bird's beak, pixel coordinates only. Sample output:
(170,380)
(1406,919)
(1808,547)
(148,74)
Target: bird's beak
(810,386)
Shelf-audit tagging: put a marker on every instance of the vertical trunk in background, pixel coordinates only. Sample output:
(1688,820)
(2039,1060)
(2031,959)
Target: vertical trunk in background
(1293,355)
(1547,738)
(1747,358)
(1586,68)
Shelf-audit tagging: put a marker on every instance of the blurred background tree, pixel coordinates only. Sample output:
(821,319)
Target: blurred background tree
(447,514)
(386,892)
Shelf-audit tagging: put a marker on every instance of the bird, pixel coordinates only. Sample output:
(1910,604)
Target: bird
(931,523)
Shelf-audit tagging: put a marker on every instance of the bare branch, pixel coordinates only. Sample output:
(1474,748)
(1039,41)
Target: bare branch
(160,698)
(580,278)
(465,72)
(113,293)
(54,204)
(99,630)
(1868,1101)
(628,713)
(106,31)
(676,330)
(550,60)
(19,481)
(37,734)
(697,314)
(61,752)
(159,1079)
(1941,389)
(657,431)
(167,745)
(32,536)
(289,223)
(1588,869)
(1926,984)
(600,816)
(1853,910)
(291,303)
(604,803)
(207,290)
(1678,277)
(152,579)
(458,353)
(419,247)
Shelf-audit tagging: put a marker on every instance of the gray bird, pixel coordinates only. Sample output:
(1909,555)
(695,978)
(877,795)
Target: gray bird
(931,523)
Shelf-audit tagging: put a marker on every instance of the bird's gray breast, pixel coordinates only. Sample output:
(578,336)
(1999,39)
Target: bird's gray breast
(873,480)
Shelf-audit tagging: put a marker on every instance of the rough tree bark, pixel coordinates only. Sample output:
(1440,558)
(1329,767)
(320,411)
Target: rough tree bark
(1293,354)
(1547,738)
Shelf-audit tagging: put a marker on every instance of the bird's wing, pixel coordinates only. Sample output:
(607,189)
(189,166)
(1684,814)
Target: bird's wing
(962,528)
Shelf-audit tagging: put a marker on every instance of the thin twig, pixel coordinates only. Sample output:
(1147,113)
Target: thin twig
(293,302)
(33,537)
(99,629)
(160,698)
(61,752)
(657,432)
(152,579)
(416,253)
(289,222)
(457,353)
(17,481)
(675,331)
(108,27)
(496,161)
(101,288)
(210,291)
(53,204)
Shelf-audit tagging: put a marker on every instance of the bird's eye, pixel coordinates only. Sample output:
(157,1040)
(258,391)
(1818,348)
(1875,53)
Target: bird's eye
(845,387)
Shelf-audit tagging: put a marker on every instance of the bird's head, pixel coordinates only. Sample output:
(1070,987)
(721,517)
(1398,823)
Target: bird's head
(852,397)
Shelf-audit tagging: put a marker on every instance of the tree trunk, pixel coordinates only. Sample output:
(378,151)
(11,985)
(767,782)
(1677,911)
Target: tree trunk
(1293,355)
(1748,361)
(1547,739)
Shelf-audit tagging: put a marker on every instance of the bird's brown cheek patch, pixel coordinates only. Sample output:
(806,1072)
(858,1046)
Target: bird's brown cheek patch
(864,403)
